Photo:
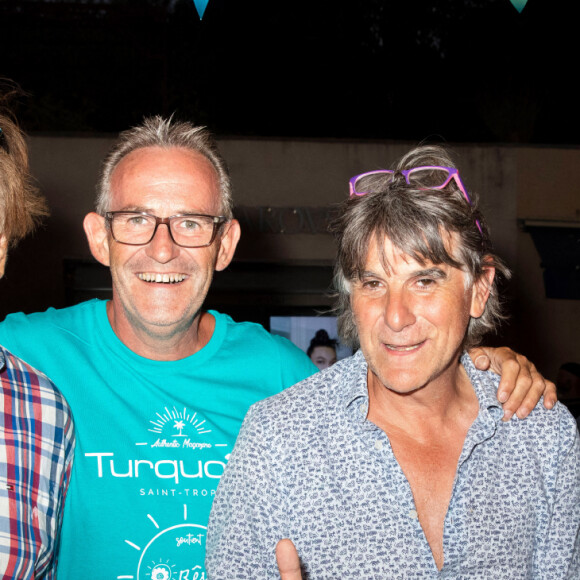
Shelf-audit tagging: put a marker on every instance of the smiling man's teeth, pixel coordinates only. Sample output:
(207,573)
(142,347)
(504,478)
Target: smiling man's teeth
(161,278)
(401,348)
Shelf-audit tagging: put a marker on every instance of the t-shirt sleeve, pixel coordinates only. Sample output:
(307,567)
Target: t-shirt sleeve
(295,365)
(25,337)
(9,338)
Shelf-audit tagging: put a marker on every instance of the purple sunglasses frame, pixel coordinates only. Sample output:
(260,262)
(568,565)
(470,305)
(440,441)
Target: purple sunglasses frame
(452,173)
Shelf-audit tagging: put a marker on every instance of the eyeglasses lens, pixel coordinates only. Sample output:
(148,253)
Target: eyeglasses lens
(371,182)
(428,177)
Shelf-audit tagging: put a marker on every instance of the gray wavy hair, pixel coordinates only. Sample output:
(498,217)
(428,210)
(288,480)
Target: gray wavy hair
(165,133)
(414,217)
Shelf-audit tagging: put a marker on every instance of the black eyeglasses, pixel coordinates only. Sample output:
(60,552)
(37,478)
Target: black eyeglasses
(188,230)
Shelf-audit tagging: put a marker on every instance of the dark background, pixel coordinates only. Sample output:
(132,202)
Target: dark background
(472,70)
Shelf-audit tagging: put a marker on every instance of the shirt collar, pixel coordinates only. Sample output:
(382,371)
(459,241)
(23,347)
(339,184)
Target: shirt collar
(2,359)
(355,382)
(485,385)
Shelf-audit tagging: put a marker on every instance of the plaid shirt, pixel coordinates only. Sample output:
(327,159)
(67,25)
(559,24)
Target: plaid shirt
(36,451)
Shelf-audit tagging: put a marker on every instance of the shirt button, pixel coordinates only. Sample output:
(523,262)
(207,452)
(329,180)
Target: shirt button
(413,514)
(363,409)
(378,445)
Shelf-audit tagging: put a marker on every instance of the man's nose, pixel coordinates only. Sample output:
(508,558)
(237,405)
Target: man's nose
(398,310)
(162,248)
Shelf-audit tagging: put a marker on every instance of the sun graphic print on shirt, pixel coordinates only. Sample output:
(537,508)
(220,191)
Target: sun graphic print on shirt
(178,420)
(186,544)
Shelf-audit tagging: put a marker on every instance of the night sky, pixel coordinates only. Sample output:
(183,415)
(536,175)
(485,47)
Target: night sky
(472,71)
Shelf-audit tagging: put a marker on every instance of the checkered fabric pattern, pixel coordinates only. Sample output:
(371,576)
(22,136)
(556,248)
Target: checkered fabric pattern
(36,451)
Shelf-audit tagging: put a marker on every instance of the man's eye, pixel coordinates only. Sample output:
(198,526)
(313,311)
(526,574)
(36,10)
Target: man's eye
(371,284)
(189,225)
(425,282)
(137,220)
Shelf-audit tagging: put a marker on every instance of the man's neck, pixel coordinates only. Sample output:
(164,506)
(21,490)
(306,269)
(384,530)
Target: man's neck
(448,398)
(161,343)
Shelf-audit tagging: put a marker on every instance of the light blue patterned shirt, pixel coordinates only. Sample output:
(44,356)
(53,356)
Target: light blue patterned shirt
(308,466)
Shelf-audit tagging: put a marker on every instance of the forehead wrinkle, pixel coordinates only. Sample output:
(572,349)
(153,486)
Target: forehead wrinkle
(395,254)
(417,249)
(151,211)
(398,251)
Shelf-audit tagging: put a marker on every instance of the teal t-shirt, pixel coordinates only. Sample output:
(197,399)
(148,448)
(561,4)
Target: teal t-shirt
(153,437)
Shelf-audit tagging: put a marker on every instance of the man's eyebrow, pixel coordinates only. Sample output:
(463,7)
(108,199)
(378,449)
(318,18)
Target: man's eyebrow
(434,272)
(368,274)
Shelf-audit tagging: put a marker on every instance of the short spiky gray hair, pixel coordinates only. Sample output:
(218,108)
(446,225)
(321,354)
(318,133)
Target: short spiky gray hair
(415,218)
(165,133)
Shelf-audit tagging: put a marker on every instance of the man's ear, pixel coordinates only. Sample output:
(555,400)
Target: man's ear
(480,291)
(3,253)
(228,243)
(97,236)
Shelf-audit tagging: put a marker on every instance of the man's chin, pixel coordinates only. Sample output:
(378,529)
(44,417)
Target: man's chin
(167,320)
(400,381)
(402,387)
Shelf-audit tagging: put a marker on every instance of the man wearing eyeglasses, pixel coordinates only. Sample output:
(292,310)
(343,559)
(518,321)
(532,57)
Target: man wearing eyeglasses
(157,385)
(395,463)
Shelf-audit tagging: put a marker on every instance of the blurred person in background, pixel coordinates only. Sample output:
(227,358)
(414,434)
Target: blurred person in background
(322,350)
